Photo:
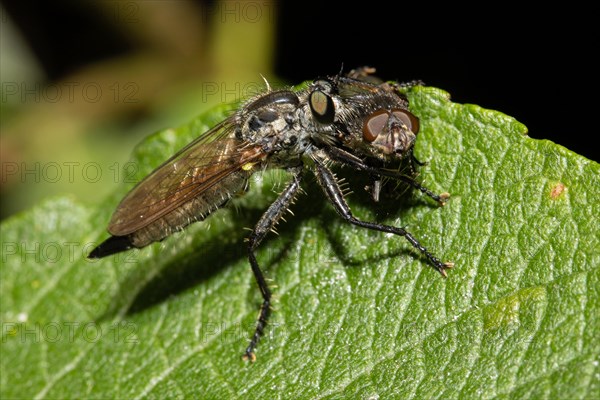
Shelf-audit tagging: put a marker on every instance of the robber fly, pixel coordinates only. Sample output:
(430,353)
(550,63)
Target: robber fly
(354,120)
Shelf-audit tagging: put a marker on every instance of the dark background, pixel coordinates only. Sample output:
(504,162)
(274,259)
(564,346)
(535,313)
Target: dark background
(533,65)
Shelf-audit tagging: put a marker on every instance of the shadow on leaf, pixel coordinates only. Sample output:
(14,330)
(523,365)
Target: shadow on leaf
(207,258)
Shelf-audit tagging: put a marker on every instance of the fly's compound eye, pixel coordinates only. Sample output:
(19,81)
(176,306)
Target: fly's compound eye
(408,119)
(375,123)
(321,106)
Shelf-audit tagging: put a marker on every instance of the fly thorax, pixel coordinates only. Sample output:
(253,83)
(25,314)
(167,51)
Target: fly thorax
(267,119)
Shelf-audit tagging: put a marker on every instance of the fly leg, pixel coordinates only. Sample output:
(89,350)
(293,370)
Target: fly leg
(266,223)
(355,162)
(333,192)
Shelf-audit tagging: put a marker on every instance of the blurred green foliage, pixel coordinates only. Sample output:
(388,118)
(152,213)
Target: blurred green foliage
(74,135)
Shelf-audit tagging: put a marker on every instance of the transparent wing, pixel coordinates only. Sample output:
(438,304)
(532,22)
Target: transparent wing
(349,87)
(196,168)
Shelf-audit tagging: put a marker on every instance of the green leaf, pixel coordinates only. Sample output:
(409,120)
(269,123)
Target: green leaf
(358,314)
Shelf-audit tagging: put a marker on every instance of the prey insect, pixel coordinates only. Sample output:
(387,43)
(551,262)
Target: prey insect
(355,120)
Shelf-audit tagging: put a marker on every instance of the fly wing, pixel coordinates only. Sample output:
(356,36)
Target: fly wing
(199,167)
(349,87)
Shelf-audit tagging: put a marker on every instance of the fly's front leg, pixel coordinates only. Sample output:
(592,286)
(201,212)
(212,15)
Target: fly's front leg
(355,162)
(266,223)
(332,189)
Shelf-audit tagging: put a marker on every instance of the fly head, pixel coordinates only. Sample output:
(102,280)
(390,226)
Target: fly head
(391,132)
(366,117)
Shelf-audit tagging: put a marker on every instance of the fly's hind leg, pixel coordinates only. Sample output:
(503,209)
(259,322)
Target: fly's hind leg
(266,223)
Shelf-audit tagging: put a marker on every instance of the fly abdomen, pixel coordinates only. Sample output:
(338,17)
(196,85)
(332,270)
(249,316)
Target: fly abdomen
(112,245)
(196,209)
